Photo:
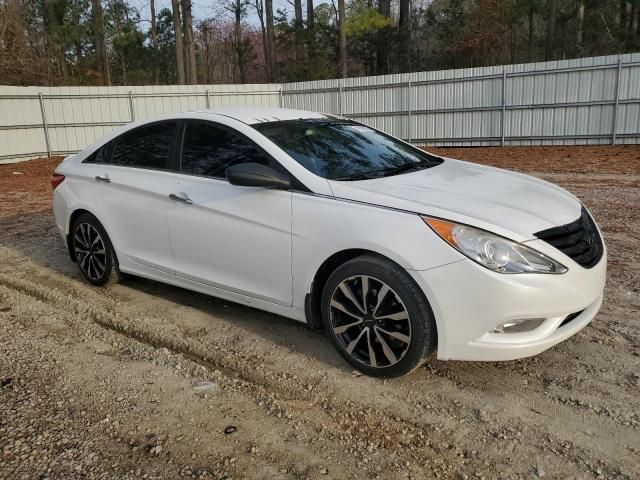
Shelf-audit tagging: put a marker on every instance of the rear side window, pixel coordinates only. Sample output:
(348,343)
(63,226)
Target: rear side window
(208,150)
(145,147)
(99,156)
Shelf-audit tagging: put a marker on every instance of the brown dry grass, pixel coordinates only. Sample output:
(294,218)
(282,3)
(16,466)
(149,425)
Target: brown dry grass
(563,159)
(26,187)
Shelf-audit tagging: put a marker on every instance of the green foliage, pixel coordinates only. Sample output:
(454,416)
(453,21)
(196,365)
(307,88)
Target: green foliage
(324,15)
(55,41)
(364,20)
(166,46)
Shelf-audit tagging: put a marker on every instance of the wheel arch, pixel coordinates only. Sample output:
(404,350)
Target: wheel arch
(72,218)
(312,304)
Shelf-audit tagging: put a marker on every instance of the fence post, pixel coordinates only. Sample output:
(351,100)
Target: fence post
(133,115)
(45,126)
(340,110)
(504,106)
(207,102)
(280,98)
(614,120)
(409,100)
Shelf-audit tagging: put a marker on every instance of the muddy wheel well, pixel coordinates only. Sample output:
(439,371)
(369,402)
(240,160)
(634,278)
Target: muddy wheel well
(72,219)
(314,297)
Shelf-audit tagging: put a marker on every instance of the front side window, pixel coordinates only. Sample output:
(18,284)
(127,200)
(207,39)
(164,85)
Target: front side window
(145,147)
(208,150)
(344,150)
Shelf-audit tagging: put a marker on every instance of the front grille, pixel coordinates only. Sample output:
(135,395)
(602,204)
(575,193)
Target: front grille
(578,240)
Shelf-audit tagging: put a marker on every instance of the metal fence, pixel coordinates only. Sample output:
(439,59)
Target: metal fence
(583,101)
(61,120)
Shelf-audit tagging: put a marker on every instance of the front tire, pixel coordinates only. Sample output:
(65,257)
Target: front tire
(94,252)
(377,317)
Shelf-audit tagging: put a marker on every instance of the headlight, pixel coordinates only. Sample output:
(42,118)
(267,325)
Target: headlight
(493,251)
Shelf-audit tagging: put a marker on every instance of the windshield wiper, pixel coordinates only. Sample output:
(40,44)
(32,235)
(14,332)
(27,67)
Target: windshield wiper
(383,173)
(401,169)
(360,176)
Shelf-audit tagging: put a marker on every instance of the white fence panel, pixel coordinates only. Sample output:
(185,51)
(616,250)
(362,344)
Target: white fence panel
(582,101)
(560,102)
(61,120)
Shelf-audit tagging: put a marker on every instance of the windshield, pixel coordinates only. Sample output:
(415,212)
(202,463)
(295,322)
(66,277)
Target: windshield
(345,150)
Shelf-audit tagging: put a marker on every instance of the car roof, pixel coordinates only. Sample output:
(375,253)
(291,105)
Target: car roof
(252,116)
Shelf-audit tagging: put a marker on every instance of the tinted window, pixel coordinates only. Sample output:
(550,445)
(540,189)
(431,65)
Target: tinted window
(145,147)
(344,150)
(208,150)
(99,156)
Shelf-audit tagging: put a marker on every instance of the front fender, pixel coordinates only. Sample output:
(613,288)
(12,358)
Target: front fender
(323,226)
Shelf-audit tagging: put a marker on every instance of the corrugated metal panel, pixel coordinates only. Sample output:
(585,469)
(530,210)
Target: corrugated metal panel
(78,116)
(562,102)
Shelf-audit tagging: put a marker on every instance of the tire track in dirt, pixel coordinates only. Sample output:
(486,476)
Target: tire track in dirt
(298,398)
(279,462)
(473,376)
(589,428)
(356,431)
(461,408)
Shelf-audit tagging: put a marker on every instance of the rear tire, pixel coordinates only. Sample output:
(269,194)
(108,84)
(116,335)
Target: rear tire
(377,317)
(93,251)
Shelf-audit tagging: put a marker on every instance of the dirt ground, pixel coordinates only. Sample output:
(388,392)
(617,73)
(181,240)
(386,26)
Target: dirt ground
(103,383)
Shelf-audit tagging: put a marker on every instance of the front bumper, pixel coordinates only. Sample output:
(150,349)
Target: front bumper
(469,302)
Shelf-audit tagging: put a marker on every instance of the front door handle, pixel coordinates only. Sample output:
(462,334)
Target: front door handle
(103,178)
(181,197)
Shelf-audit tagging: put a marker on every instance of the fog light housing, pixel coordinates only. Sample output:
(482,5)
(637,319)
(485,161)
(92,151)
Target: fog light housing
(518,325)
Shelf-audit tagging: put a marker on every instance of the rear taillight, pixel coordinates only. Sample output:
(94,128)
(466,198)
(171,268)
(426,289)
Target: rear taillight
(56,179)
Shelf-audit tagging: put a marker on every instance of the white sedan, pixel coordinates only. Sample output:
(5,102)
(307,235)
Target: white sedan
(392,251)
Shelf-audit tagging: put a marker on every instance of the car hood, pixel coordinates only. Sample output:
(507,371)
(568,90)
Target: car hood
(508,203)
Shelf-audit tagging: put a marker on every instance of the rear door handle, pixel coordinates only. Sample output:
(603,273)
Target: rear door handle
(181,197)
(103,178)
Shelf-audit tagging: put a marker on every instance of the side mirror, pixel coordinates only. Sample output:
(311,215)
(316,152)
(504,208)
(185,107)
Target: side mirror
(256,175)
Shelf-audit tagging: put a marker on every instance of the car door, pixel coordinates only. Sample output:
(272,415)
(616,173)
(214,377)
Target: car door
(231,237)
(131,194)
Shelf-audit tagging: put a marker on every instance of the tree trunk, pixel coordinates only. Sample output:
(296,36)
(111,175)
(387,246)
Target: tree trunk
(310,16)
(551,29)
(154,44)
(57,48)
(405,35)
(297,28)
(240,51)
(628,27)
(580,39)
(370,49)
(311,35)
(265,44)
(513,41)
(635,21)
(102,59)
(177,26)
(530,43)
(192,74)
(207,76)
(273,67)
(342,39)
(297,19)
(626,20)
(123,65)
(382,47)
